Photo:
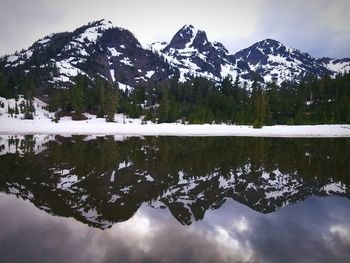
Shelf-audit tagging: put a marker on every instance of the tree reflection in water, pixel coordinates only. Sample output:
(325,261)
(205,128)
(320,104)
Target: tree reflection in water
(100,181)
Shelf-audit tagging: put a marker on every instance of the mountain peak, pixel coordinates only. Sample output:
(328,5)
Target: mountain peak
(188,26)
(194,55)
(184,37)
(271,46)
(273,60)
(93,30)
(268,47)
(190,30)
(270,41)
(102,22)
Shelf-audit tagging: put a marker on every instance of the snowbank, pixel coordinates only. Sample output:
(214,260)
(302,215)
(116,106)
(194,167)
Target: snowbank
(101,127)
(42,124)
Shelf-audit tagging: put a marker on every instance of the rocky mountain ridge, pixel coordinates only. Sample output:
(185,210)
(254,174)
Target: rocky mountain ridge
(101,49)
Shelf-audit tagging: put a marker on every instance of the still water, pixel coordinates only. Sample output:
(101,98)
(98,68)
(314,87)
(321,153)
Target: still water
(174,199)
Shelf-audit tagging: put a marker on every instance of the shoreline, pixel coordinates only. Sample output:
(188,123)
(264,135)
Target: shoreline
(10,126)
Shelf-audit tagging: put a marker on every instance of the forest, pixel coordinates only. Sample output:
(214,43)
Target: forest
(313,101)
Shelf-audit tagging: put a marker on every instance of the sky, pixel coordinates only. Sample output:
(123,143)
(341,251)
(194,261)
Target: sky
(319,27)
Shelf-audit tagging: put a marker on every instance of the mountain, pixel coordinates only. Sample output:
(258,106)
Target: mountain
(100,49)
(268,60)
(194,55)
(272,60)
(97,49)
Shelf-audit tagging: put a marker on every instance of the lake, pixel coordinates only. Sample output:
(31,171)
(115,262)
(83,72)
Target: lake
(174,199)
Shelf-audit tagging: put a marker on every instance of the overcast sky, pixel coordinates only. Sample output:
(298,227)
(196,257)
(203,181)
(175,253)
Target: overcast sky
(319,27)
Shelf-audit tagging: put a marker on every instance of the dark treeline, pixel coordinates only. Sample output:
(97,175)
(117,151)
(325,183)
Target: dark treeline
(100,98)
(313,101)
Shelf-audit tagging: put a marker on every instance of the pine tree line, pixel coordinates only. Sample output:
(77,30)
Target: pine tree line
(313,101)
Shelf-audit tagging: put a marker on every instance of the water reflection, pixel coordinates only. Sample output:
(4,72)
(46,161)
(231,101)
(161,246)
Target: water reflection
(103,180)
(316,230)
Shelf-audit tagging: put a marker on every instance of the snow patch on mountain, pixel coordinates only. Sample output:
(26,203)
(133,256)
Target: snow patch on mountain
(150,73)
(66,68)
(124,87)
(228,70)
(113,52)
(112,74)
(44,41)
(127,62)
(338,65)
(157,46)
(95,31)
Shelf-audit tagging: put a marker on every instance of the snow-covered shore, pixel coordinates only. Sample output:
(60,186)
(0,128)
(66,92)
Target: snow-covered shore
(100,127)
(42,124)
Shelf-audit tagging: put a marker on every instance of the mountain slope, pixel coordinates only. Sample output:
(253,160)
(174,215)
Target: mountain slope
(97,49)
(336,65)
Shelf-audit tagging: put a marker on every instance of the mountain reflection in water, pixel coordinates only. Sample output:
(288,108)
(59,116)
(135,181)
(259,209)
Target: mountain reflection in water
(104,180)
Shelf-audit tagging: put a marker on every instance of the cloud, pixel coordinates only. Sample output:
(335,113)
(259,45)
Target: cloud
(22,22)
(316,26)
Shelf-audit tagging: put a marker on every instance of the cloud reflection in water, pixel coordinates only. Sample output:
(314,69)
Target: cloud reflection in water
(230,234)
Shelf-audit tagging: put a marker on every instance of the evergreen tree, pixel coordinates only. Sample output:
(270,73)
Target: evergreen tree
(174,110)
(3,88)
(77,99)
(100,93)
(29,88)
(164,106)
(110,103)
(226,86)
(28,95)
(272,93)
(16,108)
(343,113)
(259,106)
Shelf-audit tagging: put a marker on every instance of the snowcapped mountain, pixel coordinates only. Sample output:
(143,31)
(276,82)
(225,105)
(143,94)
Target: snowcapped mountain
(96,49)
(105,50)
(195,56)
(272,60)
(268,60)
